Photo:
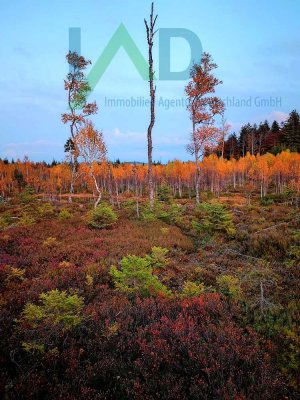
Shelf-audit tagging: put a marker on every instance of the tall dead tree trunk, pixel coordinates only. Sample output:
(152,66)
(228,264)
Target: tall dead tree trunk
(150,34)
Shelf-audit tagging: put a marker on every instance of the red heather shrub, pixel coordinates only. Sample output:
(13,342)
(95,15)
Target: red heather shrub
(150,349)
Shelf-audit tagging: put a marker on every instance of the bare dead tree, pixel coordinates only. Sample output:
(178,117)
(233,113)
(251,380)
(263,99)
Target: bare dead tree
(150,35)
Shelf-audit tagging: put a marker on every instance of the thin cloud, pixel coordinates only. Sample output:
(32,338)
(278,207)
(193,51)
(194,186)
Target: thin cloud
(278,116)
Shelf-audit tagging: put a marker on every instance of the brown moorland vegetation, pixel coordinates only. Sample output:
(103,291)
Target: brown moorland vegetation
(210,301)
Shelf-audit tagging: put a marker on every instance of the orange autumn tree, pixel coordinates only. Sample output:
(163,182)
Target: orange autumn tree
(260,173)
(91,147)
(203,107)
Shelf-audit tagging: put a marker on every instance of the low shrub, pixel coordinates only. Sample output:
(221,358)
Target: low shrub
(27,195)
(229,285)
(148,213)
(212,218)
(165,231)
(278,198)
(45,210)
(56,308)
(192,289)
(15,274)
(64,215)
(101,217)
(5,221)
(157,258)
(266,200)
(169,213)
(26,219)
(136,277)
(164,193)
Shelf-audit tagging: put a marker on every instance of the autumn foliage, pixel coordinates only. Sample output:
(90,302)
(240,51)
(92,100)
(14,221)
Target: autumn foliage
(267,173)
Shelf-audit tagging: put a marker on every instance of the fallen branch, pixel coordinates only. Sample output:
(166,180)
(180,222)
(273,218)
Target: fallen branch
(274,226)
(271,227)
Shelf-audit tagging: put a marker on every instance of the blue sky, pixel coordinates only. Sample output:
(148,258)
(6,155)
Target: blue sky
(256,45)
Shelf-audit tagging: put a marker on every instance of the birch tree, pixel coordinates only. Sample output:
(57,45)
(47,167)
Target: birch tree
(203,107)
(91,147)
(78,90)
